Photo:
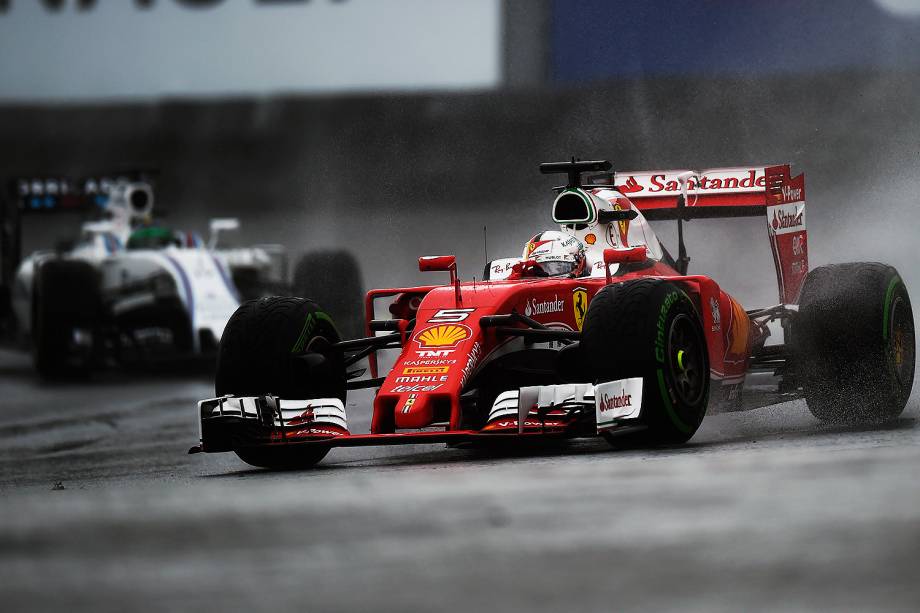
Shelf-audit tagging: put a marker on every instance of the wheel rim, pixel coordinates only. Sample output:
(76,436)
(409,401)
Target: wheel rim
(901,347)
(686,360)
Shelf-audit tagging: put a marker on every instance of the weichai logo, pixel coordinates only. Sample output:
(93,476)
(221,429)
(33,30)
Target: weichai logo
(447,335)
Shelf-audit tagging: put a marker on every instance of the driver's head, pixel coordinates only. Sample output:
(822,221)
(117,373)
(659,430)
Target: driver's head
(556,254)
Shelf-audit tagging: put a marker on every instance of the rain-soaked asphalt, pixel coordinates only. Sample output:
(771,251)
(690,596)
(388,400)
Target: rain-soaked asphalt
(102,510)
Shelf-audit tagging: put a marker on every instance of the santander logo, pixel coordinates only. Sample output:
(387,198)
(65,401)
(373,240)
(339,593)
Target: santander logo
(631,186)
(785,221)
(609,403)
(532,307)
(713,181)
(615,401)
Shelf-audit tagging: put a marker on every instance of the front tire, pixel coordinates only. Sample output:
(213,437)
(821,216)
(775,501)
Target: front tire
(260,354)
(282,458)
(853,342)
(65,313)
(649,328)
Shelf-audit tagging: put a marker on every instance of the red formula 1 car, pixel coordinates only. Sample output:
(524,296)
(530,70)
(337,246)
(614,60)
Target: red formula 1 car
(595,331)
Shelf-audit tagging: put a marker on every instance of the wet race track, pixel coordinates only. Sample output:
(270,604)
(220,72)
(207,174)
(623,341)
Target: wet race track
(102,510)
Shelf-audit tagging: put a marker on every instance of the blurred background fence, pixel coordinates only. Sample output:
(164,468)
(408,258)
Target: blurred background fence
(393,172)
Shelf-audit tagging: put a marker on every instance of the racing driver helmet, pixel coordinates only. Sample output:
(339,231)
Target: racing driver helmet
(556,254)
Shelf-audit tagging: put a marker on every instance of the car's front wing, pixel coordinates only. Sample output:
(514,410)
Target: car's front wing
(229,423)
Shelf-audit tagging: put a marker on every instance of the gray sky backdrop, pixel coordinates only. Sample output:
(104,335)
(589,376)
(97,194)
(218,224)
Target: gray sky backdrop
(116,50)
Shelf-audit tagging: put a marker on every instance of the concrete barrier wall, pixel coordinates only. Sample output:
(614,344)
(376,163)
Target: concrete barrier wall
(393,177)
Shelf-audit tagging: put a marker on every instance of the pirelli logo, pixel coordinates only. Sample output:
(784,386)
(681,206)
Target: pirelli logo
(426,370)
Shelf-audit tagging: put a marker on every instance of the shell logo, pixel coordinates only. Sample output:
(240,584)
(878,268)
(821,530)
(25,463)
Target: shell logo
(447,335)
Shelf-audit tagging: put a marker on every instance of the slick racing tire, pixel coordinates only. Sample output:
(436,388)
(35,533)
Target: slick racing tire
(853,342)
(263,351)
(649,328)
(65,304)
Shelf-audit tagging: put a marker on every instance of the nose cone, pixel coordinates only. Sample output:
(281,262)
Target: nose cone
(414,411)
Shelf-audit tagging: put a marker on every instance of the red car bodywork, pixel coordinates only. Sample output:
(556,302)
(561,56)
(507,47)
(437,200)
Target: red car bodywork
(419,399)
(425,383)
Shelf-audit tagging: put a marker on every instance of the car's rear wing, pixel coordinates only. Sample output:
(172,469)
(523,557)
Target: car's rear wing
(37,196)
(770,191)
(51,194)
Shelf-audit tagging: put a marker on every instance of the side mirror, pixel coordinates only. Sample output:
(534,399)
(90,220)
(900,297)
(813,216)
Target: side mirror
(221,224)
(224,223)
(429,263)
(624,256)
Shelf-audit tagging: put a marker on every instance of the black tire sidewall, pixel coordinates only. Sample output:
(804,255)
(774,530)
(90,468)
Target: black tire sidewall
(625,335)
(283,458)
(841,345)
(260,346)
(65,296)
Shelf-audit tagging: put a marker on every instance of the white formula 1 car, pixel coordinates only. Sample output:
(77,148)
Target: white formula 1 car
(128,290)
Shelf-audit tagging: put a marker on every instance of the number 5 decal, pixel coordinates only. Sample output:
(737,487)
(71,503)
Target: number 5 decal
(451,316)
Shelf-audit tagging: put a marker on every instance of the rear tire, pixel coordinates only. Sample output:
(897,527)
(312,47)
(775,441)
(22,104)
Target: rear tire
(649,328)
(65,300)
(258,355)
(853,342)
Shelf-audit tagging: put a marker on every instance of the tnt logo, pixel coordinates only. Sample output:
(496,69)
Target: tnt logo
(434,353)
